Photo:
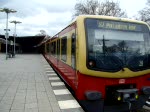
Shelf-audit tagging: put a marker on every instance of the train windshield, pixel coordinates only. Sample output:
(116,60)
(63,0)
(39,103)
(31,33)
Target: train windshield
(114,45)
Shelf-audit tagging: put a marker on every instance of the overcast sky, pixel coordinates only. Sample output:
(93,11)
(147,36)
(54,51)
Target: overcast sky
(49,15)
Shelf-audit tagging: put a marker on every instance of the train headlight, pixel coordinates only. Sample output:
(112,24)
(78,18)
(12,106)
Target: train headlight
(119,98)
(146,90)
(136,96)
(91,63)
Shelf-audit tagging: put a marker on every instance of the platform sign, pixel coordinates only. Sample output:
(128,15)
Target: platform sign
(11,42)
(6,35)
(15,35)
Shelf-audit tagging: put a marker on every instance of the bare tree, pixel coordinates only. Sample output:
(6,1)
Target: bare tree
(111,8)
(88,7)
(93,7)
(145,13)
(42,33)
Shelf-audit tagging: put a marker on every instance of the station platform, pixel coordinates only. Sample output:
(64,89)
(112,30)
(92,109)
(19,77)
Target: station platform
(29,84)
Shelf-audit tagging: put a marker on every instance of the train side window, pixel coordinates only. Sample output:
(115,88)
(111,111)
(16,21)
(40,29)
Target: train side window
(64,48)
(53,48)
(50,48)
(47,48)
(73,50)
(58,49)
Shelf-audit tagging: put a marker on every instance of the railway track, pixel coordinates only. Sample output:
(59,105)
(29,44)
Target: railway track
(142,110)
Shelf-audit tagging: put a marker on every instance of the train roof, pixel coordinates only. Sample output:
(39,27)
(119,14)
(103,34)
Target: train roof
(81,17)
(110,18)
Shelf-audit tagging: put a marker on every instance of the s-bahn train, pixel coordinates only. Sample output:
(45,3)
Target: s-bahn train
(104,60)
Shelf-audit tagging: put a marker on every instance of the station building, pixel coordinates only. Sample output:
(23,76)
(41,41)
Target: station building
(24,44)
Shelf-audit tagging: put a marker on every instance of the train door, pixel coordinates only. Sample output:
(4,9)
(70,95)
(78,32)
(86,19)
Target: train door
(73,51)
(73,58)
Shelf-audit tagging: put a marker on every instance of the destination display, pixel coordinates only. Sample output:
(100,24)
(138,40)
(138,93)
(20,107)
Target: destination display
(119,25)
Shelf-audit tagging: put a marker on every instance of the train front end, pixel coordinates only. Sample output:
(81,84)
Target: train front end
(115,75)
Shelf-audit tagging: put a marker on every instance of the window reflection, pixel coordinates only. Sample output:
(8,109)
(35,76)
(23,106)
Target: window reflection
(112,50)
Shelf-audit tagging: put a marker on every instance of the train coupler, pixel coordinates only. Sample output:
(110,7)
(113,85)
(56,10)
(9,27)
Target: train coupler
(127,95)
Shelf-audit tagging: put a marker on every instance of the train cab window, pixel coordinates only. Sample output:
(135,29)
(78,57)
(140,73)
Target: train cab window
(73,50)
(114,45)
(64,48)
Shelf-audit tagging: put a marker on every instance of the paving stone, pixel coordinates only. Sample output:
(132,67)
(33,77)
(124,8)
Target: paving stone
(31,105)
(31,110)
(17,110)
(17,106)
(5,106)
(45,110)
(4,110)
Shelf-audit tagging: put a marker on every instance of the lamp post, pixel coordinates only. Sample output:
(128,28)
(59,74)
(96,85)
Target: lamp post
(15,22)
(7,11)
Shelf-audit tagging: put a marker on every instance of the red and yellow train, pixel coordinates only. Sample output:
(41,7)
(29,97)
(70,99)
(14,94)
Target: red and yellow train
(105,60)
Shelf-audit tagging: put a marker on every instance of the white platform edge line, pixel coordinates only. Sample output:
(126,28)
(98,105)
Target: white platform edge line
(61,92)
(57,83)
(68,104)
